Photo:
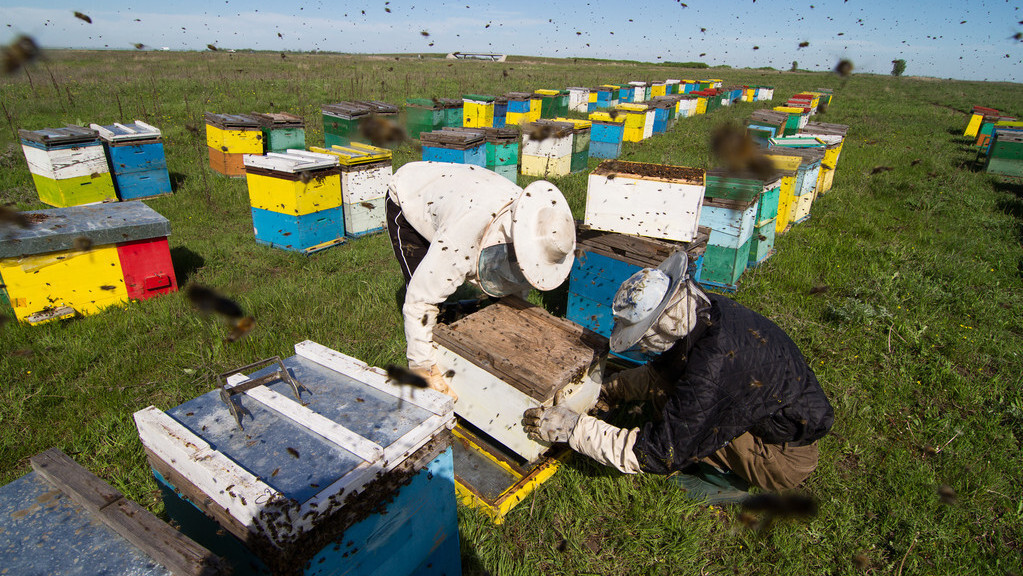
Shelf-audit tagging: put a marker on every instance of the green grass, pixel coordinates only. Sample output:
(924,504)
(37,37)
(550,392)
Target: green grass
(917,339)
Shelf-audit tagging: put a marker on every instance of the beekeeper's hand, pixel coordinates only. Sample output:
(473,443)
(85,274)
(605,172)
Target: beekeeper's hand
(434,379)
(549,423)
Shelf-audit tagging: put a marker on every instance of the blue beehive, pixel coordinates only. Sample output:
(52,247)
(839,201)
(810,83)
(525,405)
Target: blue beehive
(456,147)
(606,259)
(137,161)
(314,465)
(61,519)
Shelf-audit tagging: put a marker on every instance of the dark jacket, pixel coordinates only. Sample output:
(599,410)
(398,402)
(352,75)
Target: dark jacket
(736,372)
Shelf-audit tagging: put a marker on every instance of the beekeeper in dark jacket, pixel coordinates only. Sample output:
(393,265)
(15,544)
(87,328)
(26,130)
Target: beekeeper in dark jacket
(731,388)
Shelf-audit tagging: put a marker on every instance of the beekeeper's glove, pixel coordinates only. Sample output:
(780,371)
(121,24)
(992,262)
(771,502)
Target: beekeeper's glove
(434,379)
(549,423)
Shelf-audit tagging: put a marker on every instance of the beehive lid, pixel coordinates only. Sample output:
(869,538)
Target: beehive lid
(546,92)
(296,462)
(524,346)
(825,128)
(355,153)
(451,139)
(451,102)
(70,134)
(633,107)
(543,129)
(1008,134)
(606,117)
(379,107)
(647,171)
(478,97)
(638,84)
(519,96)
(796,142)
(789,109)
(428,103)
(639,250)
(291,161)
(116,132)
(346,110)
(578,125)
(809,155)
(724,185)
(224,121)
(279,120)
(100,224)
(984,110)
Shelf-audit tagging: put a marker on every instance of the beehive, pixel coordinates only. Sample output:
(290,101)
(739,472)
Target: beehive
(581,139)
(81,259)
(797,118)
(738,189)
(547,148)
(502,150)
(511,356)
(62,519)
(365,172)
(423,115)
(606,135)
(229,137)
(136,159)
(578,98)
(68,166)
(1005,156)
(651,200)
(606,259)
(456,147)
(766,124)
(672,86)
(728,246)
(823,130)
(454,111)
(296,200)
(549,102)
(281,131)
(591,101)
(519,108)
(987,128)
(660,117)
(807,178)
(500,112)
(350,473)
(477,111)
(636,128)
(977,117)
(765,224)
(687,106)
(341,122)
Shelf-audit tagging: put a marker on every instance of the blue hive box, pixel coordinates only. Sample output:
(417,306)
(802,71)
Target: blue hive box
(456,147)
(137,161)
(61,519)
(353,477)
(606,259)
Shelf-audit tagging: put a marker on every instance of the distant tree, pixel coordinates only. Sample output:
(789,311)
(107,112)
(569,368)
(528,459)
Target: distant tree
(795,66)
(898,67)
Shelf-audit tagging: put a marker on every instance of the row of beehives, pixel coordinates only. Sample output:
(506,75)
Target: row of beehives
(636,214)
(77,165)
(999,141)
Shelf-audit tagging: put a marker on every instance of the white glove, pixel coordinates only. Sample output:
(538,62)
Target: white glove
(550,424)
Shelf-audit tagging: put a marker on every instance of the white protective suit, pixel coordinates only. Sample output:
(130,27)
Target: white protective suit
(452,206)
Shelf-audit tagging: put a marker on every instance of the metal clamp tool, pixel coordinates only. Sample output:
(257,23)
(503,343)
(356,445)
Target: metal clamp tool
(281,373)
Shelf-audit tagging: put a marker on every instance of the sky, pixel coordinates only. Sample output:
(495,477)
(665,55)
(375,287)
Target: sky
(972,40)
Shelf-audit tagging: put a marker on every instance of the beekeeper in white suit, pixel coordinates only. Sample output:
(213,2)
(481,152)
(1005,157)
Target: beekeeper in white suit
(456,223)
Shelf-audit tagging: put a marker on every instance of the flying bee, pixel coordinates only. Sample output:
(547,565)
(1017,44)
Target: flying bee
(10,217)
(538,131)
(880,169)
(381,131)
(83,17)
(844,68)
(207,300)
(804,44)
(947,494)
(211,47)
(241,327)
(22,52)
(404,376)
(424,33)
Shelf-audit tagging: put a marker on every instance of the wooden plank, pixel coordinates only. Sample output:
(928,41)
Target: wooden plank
(165,545)
(314,422)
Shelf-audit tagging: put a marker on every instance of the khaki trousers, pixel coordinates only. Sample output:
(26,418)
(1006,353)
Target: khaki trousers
(769,466)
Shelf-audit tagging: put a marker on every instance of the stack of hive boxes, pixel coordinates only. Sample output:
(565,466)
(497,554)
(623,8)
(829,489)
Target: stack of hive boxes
(229,138)
(638,121)
(730,210)
(281,131)
(578,98)
(365,172)
(636,215)
(833,137)
(454,111)
(581,139)
(606,135)
(547,148)
(797,118)
(766,124)
(521,107)
(455,146)
(341,122)
(807,177)
(424,115)
(1005,154)
(81,259)
(977,117)
(477,111)
(553,103)
(501,149)
(500,112)
(296,200)
(68,166)
(136,158)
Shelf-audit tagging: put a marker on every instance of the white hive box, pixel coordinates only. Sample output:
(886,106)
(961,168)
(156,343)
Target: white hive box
(652,200)
(512,356)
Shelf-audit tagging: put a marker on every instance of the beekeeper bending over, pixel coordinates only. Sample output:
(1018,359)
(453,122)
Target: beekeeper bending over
(455,223)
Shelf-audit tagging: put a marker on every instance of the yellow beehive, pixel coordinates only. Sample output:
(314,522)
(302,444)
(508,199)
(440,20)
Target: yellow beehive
(789,167)
(701,105)
(243,141)
(635,121)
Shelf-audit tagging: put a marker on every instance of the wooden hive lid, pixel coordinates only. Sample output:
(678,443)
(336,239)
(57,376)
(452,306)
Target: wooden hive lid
(227,121)
(519,96)
(379,107)
(451,139)
(825,128)
(451,102)
(769,117)
(117,132)
(647,171)
(57,229)
(546,92)
(428,103)
(809,155)
(279,120)
(638,250)
(524,346)
(478,98)
(719,175)
(70,134)
(346,110)
(543,129)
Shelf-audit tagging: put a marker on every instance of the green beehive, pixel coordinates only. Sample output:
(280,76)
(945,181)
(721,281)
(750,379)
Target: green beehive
(423,115)
(453,112)
(341,122)
(281,131)
(1005,154)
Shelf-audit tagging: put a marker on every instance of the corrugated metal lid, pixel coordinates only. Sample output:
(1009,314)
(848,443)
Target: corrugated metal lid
(58,228)
(231,120)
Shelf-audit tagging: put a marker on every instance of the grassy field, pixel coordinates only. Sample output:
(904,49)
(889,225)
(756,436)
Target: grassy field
(917,339)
